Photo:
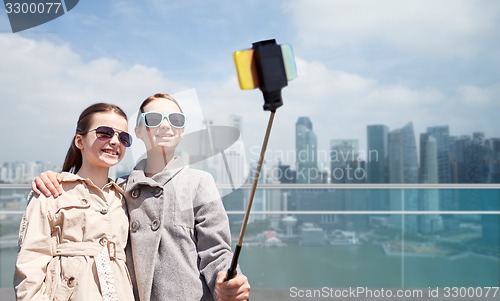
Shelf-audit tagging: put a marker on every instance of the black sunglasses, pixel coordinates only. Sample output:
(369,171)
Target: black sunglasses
(105,133)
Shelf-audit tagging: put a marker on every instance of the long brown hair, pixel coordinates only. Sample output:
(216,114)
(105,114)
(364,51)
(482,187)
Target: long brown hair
(150,99)
(73,158)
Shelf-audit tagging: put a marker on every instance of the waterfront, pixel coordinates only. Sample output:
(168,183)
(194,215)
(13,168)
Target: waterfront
(363,265)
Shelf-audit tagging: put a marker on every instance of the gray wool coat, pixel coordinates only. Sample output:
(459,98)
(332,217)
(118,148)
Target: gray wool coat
(179,234)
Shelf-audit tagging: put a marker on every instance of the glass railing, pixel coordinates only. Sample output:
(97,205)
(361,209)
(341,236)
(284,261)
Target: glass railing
(330,240)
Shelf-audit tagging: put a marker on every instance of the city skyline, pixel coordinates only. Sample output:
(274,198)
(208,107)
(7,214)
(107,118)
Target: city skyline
(335,161)
(354,68)
(365,70)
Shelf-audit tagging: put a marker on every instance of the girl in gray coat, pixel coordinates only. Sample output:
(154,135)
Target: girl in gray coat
(179,231)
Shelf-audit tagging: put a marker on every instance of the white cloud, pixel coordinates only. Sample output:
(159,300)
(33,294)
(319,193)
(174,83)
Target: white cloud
(446,28)
(474,95)
(341,105)
(45,86)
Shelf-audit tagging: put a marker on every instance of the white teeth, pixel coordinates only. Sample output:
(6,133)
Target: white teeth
(110,152)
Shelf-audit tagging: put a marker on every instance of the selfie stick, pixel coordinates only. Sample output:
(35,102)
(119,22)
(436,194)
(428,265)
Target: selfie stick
(269,68)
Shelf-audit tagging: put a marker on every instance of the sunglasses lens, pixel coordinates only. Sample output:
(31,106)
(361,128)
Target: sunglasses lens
(104,132)
(153,119)
(125,139)
(177,120)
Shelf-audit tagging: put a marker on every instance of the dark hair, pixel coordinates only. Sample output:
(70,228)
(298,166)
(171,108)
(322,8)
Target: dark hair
(154,97)
(74,156)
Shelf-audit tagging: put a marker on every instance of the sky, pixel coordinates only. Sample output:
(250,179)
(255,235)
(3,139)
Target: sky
(359,63)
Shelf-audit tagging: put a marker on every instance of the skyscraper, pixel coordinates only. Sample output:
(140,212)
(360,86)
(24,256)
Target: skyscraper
(346,168)
(378,165)
(377,154)
(429,198)
(444,166)
(344,161)
(403,168)
(494,160)
(428,172)
(442,136)
(403,162)
(458,146)
(306,146)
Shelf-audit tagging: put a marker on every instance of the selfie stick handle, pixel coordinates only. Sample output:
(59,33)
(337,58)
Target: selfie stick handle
(234,263)
(271,72)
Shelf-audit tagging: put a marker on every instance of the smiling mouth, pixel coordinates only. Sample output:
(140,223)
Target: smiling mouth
(110,152)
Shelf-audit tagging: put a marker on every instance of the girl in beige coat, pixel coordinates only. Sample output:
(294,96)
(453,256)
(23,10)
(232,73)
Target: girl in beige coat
(72,247)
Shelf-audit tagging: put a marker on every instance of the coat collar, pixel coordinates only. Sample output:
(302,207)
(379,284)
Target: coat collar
(70,177)
(137,176)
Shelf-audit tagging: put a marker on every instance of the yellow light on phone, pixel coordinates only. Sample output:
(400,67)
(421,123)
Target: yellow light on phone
(246,69)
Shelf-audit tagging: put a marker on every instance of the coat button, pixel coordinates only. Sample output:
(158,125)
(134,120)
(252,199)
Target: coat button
(157,192)
(103,241)
(104,211)
(136,193)
(155,225)
(71,282)
(134,226)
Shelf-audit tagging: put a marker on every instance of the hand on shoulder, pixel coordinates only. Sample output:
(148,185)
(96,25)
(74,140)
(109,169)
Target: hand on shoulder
(48,183)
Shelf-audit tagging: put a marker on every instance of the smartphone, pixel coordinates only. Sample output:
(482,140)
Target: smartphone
(247,70)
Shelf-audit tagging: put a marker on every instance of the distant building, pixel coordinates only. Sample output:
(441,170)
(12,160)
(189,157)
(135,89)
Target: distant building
(377,162)
(286,175)
(429,198)
(403,161)
(346,167)
(458,147)
(494,160)
(270,239)
(306,147)
(442,136)
(261,196)
(344,162)
(311,235)
(377,153)
(23,172)
(403,168)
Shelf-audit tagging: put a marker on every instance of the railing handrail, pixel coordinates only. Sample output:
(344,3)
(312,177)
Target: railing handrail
(15,186)
(331,186)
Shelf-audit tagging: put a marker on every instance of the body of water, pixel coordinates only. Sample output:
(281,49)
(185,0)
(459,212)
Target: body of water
(363,265)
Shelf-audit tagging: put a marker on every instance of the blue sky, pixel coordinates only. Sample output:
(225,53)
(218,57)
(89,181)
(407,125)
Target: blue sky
(359,62)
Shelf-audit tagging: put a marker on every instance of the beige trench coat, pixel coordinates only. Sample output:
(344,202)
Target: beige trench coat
(59,239)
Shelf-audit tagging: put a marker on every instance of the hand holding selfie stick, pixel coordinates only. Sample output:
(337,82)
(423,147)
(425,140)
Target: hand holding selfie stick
(267,66)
